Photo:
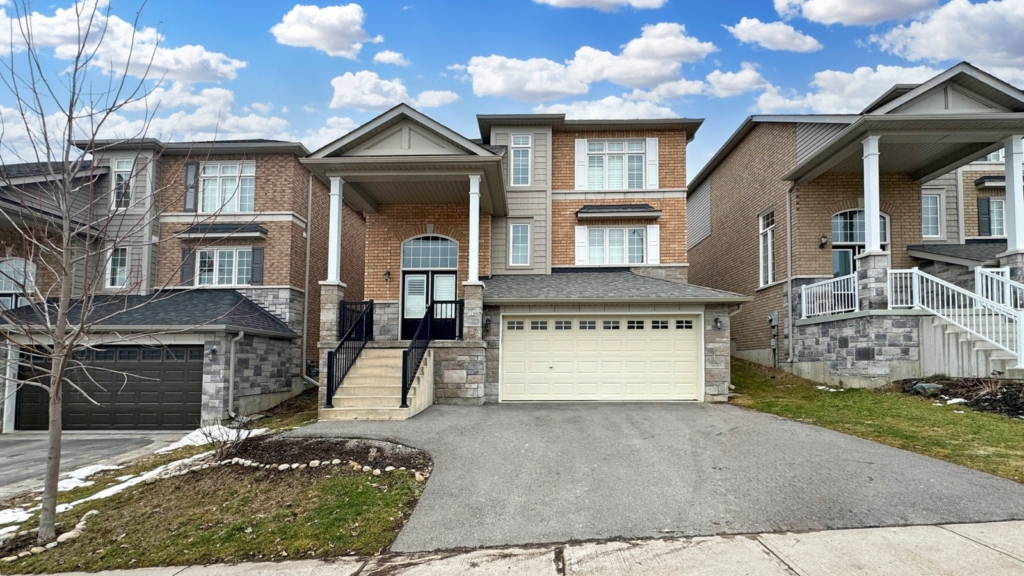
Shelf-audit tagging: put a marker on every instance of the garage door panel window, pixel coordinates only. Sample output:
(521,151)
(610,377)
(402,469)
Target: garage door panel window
(515,325)
(684,324)
(539,325)
(611,324)
(588,324)
(659,324)
(563,324)
(635,324)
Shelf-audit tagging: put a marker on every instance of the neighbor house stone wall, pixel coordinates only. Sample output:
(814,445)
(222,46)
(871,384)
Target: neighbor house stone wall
(267,372)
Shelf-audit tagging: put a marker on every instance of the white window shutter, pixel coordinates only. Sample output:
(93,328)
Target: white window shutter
(581,164)
(652,164)
(581,246)
(653,244)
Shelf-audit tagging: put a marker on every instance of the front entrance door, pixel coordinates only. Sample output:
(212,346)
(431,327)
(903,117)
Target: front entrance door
(421,289)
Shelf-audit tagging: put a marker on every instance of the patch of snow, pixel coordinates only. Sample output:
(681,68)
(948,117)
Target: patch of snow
(958,411)
(118,488)
(123,478)
(9,529)
(78,478)
(956,401)
(208,434)
(14,516)
(822,387)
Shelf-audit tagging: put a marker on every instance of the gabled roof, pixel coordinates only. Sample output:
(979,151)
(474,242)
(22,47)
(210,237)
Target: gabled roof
(197,147)
(604,286)
(963,74)
(390,118)
(557,122)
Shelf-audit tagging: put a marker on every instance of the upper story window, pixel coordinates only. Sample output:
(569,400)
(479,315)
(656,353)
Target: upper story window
(224,267)
(117,268)
(123,182)
(521,159)
(615,246)
(990,216)
(227,187)
(996,156)
(17,278)
(519,244)
(615,164)
(766,223)
(931,219)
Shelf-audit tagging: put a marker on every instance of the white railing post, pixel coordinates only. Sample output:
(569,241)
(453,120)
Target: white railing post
(855,289)
(803,302)
(1020,339)
(888,288)
(979,278)
(916,287)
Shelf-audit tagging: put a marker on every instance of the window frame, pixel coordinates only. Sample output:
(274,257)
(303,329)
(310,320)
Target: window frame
(625,154)
(1001,200)
(528,149)
(108,280)
(216,270)
(939,231)
(606,245)
(116,200)
(766,249)
(15,295)
(233,206)
(511,244)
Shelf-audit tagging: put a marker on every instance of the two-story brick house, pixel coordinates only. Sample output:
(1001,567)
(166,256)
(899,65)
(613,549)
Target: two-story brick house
(211,249)
(547,260)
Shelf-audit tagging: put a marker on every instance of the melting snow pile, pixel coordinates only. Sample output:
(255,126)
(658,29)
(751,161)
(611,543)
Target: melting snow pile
(79,478)
(14,516)
(210,434)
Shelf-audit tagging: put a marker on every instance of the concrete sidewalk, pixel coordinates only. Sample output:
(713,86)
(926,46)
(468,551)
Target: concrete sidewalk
(982,549)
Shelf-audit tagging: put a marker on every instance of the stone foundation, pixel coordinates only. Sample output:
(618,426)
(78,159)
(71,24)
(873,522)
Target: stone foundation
(460,369)
(873,280)
(267,372)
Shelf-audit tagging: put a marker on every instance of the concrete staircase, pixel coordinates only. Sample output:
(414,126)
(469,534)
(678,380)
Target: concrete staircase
(372,390)
(949,349)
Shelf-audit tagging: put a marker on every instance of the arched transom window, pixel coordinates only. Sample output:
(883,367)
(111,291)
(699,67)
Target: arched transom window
(848,239)
(430,253)
(17,276)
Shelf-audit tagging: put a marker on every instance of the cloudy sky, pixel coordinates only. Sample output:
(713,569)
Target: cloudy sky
(276,69)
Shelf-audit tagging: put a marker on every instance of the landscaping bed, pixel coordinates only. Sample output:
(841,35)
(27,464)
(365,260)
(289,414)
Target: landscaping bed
(998,395)
(271,498)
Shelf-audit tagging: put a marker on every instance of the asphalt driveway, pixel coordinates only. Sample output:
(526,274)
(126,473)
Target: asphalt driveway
(537,473)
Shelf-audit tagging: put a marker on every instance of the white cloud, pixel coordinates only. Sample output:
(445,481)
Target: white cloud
(366,90)
(842,92)
(119,46)
(604,5)
(773,36)
(335,128)
(852,12)
(652,59)
(334,30)
(390,57)
(262,107)
(727,84)
(988,35)
(612,107)
(669,90)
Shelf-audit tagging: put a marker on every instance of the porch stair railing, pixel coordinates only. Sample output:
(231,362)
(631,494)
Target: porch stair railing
(355,327)
(995,284)
(985,319)
(443,320)
(829,297)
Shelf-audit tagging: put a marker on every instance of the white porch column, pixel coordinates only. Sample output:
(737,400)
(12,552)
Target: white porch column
(334,235)
(872,205)
(1014,195)
(474,228)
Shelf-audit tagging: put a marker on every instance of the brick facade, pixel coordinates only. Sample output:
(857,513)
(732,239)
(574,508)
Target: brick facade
(671,155)
(672,224)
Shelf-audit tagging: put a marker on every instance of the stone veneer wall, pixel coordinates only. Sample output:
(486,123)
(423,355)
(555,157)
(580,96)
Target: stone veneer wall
(460,369)
(716,354)
(386,321)
(267,372)
(285,303)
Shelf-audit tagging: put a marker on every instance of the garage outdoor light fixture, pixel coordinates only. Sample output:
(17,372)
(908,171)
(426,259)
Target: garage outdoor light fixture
(822,242)
(487,325)
(718,323)
(387,275)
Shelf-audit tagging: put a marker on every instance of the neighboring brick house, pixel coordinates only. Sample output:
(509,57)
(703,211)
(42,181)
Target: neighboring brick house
(547,260)
(822,219)
(218,229)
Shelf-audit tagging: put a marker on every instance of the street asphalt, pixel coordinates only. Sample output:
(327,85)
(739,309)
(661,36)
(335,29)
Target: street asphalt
(512,474)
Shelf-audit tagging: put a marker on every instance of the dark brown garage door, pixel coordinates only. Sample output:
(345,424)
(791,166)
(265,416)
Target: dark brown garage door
(163,391)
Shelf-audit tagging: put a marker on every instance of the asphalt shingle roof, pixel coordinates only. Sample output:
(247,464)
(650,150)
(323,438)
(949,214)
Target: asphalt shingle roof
(29,169)
(224,229)
(611,285)
(194,310)
(976,251)
(603,208)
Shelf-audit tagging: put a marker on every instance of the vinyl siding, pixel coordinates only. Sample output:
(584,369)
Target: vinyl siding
(524,206)
(951,221)
(812,137)
(699,208)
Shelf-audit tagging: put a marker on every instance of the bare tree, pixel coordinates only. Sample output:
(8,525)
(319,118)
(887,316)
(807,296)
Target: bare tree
(62,224)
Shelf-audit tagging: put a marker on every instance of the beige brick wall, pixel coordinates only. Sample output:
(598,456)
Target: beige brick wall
(747,184)
(284,253)
(672,228)
(971,195)
(395,223)
(671,155)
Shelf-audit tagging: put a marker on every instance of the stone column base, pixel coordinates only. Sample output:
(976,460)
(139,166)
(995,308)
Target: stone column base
(460,371)
(331,297)
(473,315)
(873,280)
(1015,262)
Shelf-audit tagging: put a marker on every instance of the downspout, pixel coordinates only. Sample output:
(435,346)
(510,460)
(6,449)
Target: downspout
(789,273)
(231,375)
(305,298)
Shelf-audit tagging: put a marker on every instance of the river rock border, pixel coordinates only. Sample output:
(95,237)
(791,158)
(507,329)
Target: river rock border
(65,537)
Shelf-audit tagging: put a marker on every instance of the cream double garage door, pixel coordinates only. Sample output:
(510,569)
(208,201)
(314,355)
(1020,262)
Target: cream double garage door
(601,357)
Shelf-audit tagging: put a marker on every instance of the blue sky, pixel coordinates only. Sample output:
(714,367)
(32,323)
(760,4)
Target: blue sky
(251,68)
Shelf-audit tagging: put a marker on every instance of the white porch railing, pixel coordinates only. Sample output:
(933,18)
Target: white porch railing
(986,319)
(834,296)
(995,284)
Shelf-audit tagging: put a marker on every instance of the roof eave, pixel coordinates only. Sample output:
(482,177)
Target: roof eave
(166,329)
(738,299)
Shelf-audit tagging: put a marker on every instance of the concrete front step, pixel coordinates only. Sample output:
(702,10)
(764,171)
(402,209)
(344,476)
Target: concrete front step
(381,389)
(362,413)
(369,401)
(380,379)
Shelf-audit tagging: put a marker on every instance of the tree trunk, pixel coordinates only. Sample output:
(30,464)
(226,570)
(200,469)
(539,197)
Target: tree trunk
(48,510)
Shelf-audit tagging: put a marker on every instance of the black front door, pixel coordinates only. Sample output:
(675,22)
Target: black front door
(419,290)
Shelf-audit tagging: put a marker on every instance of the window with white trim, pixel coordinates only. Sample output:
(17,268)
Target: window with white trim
(227,187)
(519,244)
(224,267)
(767,248)
(117,268)
(616,246)
(17,278)
(123,181)
(996,156)
(931,215)
(615,165)
(996,207)
(521,159)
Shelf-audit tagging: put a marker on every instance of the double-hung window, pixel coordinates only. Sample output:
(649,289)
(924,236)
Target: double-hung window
(931,215)
(521,159)
(767,248)
(17,278)
(227,187)
(117,268)
(224,267)
(519,245)
(123,181)
(615,165)
(615,246)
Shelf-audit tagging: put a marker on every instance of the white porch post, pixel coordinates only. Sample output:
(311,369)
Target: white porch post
(1014,195)
(872,207)
(334,235)
(474,228)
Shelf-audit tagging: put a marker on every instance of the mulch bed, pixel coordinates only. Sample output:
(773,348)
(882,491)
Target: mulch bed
(997,395)
(377,454)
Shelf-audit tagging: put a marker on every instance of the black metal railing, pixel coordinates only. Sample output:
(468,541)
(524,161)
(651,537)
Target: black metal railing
(412,356)
(447,323)
(356,329)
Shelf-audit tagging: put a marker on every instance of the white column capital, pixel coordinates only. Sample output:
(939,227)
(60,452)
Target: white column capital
(1014,145)
(474,183)
(337,182)
(870,145)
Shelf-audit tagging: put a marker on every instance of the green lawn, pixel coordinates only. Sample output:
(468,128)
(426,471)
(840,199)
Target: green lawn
(987,442)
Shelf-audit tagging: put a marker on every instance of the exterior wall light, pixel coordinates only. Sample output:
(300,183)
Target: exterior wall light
(487,325)
(718,323)
(822,242)
(387,275)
